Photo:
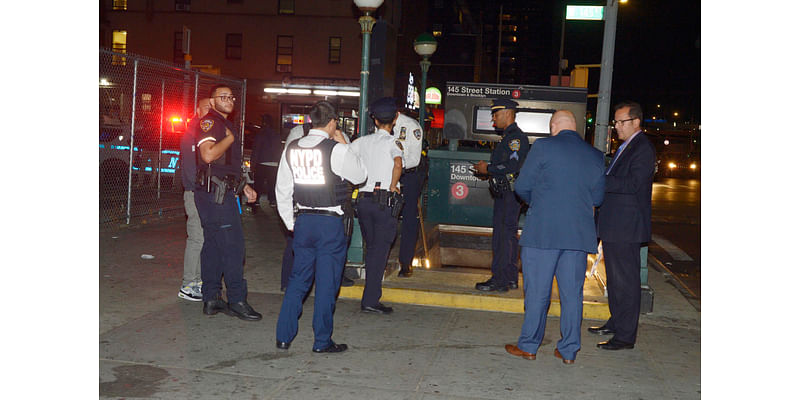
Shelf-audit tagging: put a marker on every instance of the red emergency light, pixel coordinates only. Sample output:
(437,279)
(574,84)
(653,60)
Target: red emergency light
(176,124)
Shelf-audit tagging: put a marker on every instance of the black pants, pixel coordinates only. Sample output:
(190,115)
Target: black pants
(378,228)
(412,186)
(623,261)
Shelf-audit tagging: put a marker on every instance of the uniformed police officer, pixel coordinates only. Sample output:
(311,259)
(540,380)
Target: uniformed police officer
(382,156)
(219,166)
(409,133)
(506,160)
(311,172)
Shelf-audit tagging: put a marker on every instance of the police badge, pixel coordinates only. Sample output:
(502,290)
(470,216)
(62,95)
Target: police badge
(417,133)
(399,144)
(514,144)
(206,124)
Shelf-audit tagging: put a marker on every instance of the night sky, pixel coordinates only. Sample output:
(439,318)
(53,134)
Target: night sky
(657,55)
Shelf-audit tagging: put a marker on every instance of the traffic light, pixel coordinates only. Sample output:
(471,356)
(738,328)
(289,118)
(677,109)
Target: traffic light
(589,119)
(579,77)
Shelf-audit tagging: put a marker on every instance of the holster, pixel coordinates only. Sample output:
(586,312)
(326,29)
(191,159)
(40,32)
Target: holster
(395,203)
(501,184)
(218,188)
(347,219)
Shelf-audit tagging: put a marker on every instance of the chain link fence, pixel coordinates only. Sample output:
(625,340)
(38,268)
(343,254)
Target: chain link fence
(144,108)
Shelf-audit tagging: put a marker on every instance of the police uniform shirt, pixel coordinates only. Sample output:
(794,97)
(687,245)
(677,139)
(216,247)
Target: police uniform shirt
(344,163)
(409,133)
(212,128)
(377,153)
(510,153)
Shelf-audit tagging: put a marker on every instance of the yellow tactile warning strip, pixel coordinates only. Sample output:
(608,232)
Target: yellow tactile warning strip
(478,301)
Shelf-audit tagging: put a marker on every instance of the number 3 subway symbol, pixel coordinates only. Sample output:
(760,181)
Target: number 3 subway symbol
(459,190)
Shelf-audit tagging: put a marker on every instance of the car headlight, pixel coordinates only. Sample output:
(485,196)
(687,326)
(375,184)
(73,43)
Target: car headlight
(693,166)
(672,165)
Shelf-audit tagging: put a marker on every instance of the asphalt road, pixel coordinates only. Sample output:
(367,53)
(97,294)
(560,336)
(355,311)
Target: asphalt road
(676,232)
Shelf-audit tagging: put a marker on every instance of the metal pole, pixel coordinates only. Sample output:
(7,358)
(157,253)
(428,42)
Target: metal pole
(367,22)
(133,122)
(425,65)
(160,139)
(606,73)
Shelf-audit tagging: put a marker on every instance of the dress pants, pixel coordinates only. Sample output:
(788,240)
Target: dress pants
(223,247)
(320,248)
(378,228)
(505,245)
(412,186)
(623,261)
(538,268)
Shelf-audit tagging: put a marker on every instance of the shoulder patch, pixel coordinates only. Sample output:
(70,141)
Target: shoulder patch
(206,124)
(514,144)
(402,133)
(417,133)
(399,144)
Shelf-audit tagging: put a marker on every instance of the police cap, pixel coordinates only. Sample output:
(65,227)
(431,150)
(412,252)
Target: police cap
(503,104)
(384,108)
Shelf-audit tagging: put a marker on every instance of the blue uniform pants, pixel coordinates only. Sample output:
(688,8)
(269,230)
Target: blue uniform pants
(505,245)
(288,259)
(223,247)
(412,186)
(320,247)
(378,228)
(538,268)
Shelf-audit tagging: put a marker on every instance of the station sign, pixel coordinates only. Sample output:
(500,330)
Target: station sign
(433,96)
(585,13)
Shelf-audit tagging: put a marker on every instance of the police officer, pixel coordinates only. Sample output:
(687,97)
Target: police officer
(219,168)
(382,156)
(505,163)
(311,172)
(191,287)
(409,133)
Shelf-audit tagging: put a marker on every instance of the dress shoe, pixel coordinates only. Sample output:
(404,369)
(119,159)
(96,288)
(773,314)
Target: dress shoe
(242,310)
(377,309)
(513,285)
(516,351)
(614,345)
(405,271)
(564,360)
(214,306)
(491,286)
(282,345)
(333,348)
(600,330)
(347,282)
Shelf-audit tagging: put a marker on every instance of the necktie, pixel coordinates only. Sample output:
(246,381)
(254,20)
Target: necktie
(616,156)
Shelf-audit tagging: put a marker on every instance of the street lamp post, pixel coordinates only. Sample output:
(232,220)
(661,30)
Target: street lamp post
(425,46)
(367,22)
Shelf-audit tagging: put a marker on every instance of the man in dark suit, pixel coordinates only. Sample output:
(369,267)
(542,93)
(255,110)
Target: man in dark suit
(562,180)
(623,224)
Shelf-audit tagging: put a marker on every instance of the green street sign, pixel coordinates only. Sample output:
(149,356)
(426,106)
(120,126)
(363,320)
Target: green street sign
(586,13)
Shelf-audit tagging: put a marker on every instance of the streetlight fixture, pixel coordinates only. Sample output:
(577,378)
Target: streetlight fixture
(425,46)
(367,21)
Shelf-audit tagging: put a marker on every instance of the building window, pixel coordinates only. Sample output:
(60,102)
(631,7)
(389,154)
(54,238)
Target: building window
(177,48)
(233,46)
(334,50)
(283,61)
(286,7)
(183,5)
(121,5)
(119,43)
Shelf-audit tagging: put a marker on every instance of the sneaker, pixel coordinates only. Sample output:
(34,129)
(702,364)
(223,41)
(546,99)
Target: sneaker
(191,293)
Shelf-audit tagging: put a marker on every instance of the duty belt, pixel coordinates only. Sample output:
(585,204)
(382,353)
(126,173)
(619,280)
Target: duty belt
(318,212)
(410,170)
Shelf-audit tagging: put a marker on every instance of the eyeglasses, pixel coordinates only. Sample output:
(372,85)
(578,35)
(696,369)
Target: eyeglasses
(227,98)
(621,122)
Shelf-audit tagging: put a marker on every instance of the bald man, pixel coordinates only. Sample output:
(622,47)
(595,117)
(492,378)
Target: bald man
(562,180)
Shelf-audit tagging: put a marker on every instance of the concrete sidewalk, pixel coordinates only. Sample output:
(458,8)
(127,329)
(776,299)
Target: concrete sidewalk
(154,345)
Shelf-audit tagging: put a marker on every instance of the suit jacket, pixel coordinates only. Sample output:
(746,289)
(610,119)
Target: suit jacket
(625,213)
(562,179)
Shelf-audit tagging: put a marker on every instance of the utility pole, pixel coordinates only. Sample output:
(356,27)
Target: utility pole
(606,73)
